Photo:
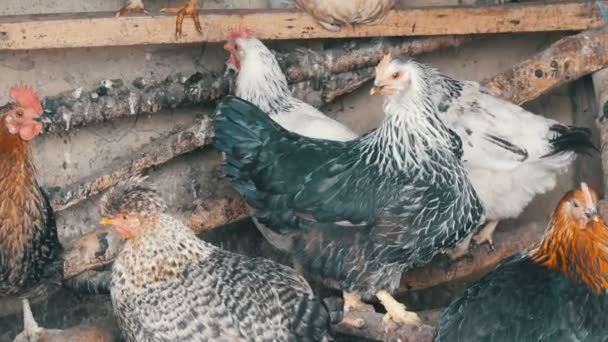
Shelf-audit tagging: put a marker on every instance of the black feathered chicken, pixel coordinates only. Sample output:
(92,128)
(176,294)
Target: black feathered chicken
(356,214)
(556,292)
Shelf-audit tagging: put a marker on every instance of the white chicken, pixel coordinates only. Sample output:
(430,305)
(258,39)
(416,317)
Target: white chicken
(331,14)
(510,154)
(261,81)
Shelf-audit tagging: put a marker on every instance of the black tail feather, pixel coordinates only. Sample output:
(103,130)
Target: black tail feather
(571,139)
(335,308)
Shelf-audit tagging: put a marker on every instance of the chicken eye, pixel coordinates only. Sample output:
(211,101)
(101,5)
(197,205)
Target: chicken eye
(574,204)
(395,75)
(19,113)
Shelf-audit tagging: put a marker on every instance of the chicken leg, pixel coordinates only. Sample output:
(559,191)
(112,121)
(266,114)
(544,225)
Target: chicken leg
(132,6)
(353,302)
(191,9)
(461,249)
(31,330)
(396,311)
(486,234)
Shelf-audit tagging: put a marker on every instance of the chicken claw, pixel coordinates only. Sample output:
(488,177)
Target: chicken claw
(191,9)
(486,234)
(396,311)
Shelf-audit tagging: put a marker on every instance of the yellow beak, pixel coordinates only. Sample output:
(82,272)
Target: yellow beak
(106,221)
(228,47)
(375,90)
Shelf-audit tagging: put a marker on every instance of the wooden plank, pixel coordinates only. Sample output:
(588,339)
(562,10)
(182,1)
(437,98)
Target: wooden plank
(94,30)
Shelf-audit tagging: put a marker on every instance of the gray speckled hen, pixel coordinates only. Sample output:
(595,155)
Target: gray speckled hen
(359,213)
(167,285)
(511,154)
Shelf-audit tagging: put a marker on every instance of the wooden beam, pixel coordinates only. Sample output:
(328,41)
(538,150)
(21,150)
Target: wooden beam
(94,30)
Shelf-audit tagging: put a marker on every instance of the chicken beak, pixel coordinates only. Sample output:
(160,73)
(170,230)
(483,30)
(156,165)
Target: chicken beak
(106,221)
(376,90)
(45,119)
(228,47)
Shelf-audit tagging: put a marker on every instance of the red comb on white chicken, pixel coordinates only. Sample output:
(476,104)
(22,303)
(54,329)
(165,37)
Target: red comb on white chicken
(261,81)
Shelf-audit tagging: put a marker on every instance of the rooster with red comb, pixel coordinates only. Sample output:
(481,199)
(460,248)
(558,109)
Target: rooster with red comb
(261,81)
(29,246)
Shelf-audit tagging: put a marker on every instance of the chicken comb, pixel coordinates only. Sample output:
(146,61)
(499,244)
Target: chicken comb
(26,97)
(384,62)
(243,33)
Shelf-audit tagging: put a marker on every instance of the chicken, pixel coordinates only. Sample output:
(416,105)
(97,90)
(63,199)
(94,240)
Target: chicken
(331,14)
(167,285)
(28,236)
(354,214)
(554,292)
(510,154)
(261,81)
(191,10)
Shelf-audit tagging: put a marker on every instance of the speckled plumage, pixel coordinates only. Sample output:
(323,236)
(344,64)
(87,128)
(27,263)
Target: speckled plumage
(556,292)
(357,213)
(167,285)
(29,246)
(261,81)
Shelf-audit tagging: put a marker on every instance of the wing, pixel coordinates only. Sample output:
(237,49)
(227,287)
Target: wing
(520,301)
(283,175)
(491,128)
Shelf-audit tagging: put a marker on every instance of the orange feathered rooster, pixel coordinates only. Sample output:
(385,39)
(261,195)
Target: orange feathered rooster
(28,236)
(555,292)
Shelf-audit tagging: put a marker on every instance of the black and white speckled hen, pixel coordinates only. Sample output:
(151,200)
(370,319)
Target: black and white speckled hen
(556,292)
(29,246)
(168,285)
(356,214)
(511,154)
(261,81)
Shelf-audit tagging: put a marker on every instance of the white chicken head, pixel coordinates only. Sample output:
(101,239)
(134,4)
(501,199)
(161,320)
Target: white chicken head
(396,75)
(242,44)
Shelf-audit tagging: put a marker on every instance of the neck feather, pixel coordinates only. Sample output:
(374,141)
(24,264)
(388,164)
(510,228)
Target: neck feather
(262,82)
(580,254)
(411,131)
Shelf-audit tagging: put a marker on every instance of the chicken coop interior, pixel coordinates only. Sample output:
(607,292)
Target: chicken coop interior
(124,93)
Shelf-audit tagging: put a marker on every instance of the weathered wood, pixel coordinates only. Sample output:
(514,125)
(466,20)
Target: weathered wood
(306,64)
(157,152)
(376,329)
(480,260)
(600,85)
(565,60)
(113,99)
(94,30)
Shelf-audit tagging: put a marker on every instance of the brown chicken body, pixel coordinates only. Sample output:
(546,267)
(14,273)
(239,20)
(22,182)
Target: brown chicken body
(28,236)
(332,14)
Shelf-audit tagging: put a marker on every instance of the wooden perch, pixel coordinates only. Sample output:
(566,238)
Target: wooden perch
(375,329)
(157,152)
(113,99)
(600,85)
(94,30)
(565,60)
(480,260)
(306,64)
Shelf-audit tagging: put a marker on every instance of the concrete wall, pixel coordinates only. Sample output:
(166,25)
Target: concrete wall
(64,158)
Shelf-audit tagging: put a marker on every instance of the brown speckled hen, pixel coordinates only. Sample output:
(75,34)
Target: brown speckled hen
(168,285)
(28,236)
(332,14)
